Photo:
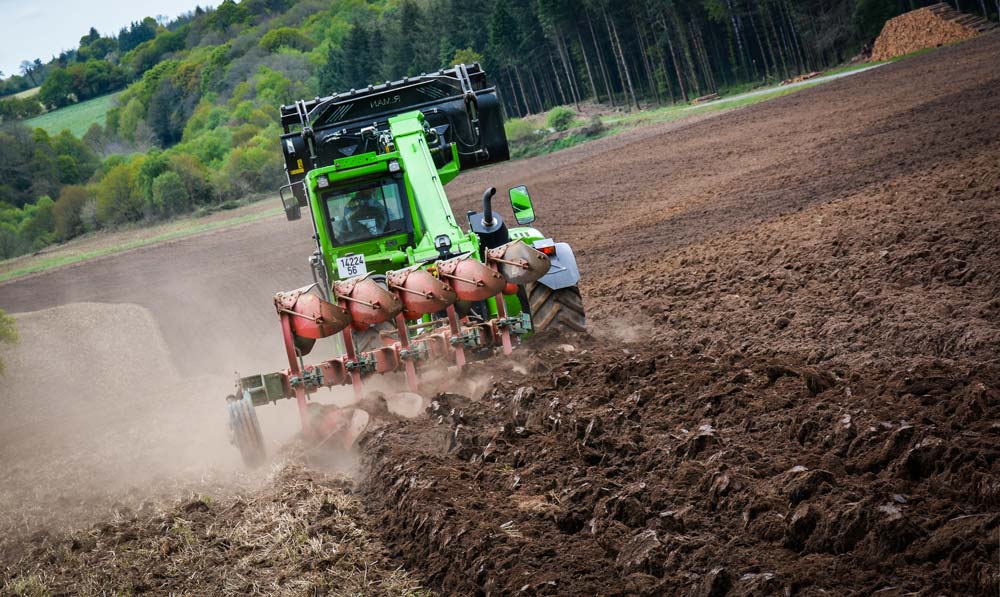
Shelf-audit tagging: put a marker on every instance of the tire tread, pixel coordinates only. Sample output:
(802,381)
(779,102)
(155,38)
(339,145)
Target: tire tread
(561,310)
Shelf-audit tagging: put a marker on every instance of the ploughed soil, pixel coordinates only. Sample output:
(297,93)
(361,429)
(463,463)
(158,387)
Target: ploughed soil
(794,385)
(791,383)
(609,471)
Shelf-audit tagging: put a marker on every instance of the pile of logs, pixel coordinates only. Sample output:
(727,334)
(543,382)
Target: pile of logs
(800,78)
(711,97)
(927,27)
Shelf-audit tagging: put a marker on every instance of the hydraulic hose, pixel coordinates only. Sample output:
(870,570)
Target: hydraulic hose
(319,274)
(488,206)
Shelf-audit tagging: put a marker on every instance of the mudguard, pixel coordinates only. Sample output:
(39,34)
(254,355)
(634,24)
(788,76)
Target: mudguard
(564,272)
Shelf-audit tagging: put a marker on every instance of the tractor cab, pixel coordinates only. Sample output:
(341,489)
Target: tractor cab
(366,211)
(363,225)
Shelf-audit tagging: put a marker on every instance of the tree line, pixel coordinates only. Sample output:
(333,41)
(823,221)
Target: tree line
(625,53)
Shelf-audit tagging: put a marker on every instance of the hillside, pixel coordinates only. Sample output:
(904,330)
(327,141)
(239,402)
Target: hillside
(194,120)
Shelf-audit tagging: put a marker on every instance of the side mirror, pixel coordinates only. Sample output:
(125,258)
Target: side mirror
(520,201)
(290,202)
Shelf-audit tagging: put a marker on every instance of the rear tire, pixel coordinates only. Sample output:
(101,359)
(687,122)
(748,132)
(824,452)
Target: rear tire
(245,430)
(556,310)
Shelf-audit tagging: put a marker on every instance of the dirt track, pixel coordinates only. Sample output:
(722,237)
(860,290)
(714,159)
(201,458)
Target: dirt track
(815,403)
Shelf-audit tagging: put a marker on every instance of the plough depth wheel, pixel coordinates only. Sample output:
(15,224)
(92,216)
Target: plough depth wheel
(246,431)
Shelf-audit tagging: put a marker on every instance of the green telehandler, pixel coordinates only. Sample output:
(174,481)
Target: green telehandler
(395,276)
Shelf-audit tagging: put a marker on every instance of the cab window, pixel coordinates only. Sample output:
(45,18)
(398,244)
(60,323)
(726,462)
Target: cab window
(365,212)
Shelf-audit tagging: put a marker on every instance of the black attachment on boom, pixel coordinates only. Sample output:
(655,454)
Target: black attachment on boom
(458,105)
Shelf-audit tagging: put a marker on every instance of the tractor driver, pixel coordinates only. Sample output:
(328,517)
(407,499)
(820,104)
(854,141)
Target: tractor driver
(364,217)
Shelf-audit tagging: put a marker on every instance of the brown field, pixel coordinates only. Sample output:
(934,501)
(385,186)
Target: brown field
(791,383)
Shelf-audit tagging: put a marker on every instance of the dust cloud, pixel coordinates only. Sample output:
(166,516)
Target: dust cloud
(96,417)
(619,329)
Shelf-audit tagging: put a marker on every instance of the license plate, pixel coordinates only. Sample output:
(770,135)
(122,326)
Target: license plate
(350,266)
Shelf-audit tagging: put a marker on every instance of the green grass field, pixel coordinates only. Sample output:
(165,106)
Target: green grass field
(181,229)
(524,143)
(28,92)
(76,118)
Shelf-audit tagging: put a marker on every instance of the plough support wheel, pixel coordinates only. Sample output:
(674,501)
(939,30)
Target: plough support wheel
(245,431)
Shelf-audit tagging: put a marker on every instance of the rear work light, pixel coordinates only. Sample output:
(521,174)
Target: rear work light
(546,246)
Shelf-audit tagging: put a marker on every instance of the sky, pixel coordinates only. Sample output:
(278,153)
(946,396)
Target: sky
(43,28)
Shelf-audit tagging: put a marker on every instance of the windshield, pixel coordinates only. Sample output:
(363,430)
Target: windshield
(365,212)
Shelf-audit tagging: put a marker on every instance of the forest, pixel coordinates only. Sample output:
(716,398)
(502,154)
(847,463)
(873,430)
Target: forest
(195,120)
